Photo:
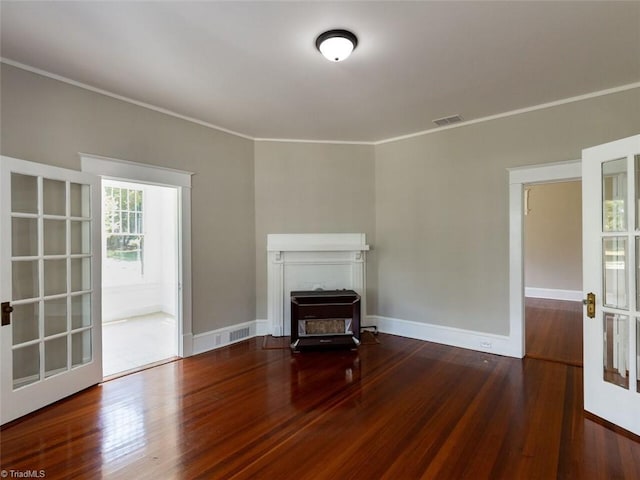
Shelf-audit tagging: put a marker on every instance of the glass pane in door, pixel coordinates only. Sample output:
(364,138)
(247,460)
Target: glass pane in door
(26,365)
(80,237)
(54,198)
(614,195)
(25,320)
(55,237)
(638,355)
(81,348)
(55,356)
(616,351)
(24,193)
(614,258)
(24,279)
(80,311)
(80,274)
(24,237)
(55,277)
(80,200)
(637,186)
(55,316)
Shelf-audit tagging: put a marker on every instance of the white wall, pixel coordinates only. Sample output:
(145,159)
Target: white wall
(442,208)
(47,121)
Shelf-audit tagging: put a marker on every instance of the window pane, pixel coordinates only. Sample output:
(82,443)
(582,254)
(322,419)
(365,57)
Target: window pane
(55,237)
(80,274)
(80,200)
(54,197)
(80,348)
(614,195)
(616,354)
(117,204)
(55,356)
(24,237)
(124,203)
(132,200)
(26,365)
(80,237)
(24,278)
(24,193)
(55,277)
(116,226)
(614,257)
(637,185)
(25,320)
(55,316)
(80,311)
(638,355)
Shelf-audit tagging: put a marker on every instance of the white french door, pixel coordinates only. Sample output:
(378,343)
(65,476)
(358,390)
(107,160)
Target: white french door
(50,339)
(611,271)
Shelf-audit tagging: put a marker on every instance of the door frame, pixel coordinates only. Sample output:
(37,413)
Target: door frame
(115,169)
(519,177)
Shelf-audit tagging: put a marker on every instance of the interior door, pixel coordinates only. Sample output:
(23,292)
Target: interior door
(50,339)
(611,266)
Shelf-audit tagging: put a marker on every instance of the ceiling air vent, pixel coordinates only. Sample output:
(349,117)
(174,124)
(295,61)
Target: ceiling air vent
(441,122)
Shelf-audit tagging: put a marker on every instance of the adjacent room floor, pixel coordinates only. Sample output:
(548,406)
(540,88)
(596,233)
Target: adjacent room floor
(554,330)
(132,343)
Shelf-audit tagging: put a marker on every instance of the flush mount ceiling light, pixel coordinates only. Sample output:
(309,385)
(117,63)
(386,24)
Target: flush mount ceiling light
(336,45)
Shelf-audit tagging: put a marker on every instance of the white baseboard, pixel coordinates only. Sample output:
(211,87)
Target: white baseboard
(553,294)
(455,337)
(203,342)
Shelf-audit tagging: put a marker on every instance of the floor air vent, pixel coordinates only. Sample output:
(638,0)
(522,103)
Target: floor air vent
(441,122)
(238,334)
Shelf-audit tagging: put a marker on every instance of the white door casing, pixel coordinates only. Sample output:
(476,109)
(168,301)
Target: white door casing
(115,169)
(50,272)
(611,243)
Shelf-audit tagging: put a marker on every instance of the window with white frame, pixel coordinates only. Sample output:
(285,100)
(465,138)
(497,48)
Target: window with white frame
(123,225)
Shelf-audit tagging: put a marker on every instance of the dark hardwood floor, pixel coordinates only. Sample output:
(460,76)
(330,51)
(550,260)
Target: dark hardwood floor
(397,409)
(553,330)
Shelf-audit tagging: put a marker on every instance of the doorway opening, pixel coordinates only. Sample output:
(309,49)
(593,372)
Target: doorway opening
(519,177)
(140,239)
(553,271)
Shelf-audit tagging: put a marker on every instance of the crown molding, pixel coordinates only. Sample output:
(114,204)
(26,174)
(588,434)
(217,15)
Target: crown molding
(148,106)
(511,113)
(489,118)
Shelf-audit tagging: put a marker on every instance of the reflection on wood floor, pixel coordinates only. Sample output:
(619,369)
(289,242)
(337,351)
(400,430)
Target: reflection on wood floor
(554,330)
(398,409)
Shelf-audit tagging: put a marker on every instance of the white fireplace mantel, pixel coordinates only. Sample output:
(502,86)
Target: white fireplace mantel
(311,261)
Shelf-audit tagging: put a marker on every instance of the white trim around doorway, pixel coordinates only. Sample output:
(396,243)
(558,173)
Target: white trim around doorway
(111,168)
(518,178)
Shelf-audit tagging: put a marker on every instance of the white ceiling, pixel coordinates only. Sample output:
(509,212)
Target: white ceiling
(252,67)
